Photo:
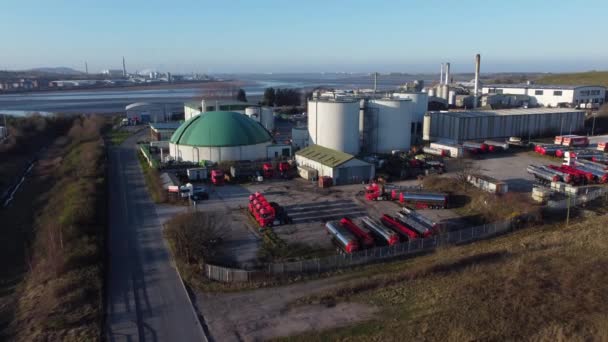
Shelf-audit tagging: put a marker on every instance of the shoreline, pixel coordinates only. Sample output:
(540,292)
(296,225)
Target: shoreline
(180,85)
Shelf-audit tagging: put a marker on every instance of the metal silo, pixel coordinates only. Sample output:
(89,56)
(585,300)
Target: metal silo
(253,113)
(432,92)
(267,118)
(452,97)
(393,125)
(421,103)
(426,127)
(334,123)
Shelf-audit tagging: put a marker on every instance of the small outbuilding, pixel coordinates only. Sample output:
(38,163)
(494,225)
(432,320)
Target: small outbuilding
(342,167)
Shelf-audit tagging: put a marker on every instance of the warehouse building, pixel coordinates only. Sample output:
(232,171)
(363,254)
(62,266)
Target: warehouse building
(223,136)
(146,112)
(317,161)
(162,131)
(497,124)
(583,96)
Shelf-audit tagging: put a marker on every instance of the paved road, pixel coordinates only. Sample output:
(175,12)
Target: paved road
(146,300)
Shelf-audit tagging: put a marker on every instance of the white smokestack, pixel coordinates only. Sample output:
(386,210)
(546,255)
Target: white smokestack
(441,75)
(447,73)
(476,92)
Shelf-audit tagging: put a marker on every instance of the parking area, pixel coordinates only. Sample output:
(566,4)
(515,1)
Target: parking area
(309,206)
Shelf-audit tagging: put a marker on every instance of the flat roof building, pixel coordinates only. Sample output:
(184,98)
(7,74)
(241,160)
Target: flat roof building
(553,95)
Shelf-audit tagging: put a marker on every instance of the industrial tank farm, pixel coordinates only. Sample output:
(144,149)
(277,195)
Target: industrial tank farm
(263,115)
(334,123)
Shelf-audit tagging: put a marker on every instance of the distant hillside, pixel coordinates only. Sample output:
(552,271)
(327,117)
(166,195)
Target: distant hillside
(590,78)
(56,70)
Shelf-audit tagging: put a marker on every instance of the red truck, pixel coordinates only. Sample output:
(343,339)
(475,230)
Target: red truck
(217,177)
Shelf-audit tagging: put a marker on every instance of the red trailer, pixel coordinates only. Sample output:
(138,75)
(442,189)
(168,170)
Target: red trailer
(424,200)
(217,177)
(381,232)
(365,238)
(409,222)
(399,227)
(475,146)
(342,237)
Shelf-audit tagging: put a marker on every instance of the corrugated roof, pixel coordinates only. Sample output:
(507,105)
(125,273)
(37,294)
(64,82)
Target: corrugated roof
(165,125)
(506,112)
(325,156)
(538,86)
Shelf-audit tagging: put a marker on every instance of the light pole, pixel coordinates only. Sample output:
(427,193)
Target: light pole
(593,125)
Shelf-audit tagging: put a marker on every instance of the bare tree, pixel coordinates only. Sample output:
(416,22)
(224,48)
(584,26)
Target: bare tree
(195,235)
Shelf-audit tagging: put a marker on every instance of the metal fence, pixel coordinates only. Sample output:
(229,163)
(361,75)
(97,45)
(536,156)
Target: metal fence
(368,256)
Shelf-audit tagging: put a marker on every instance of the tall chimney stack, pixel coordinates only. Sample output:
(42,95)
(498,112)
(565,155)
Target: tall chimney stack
(441,75)
(447,73)
(124,67)
(477,65)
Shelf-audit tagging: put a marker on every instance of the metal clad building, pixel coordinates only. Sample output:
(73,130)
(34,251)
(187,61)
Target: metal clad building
(342,167)
(496,124)
(552,95)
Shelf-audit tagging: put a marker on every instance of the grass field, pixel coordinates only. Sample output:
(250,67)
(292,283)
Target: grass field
(545,283)
(579,78)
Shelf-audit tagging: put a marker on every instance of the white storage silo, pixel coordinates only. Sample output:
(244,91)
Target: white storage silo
(334,123)
(393,125)
(426,127)
(253,113)
(267,118)
(299,137)
(432,92)
(452,98)
(421,103)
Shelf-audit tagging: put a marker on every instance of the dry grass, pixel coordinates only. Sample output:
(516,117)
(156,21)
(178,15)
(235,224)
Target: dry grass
(579,78)
(480,207)
(544,284)
(60,297)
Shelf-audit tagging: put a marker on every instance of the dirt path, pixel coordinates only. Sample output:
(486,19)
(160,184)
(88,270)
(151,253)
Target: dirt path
(264,314)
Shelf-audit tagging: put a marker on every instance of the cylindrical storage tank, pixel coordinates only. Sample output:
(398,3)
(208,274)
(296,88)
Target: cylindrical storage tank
(299,137)
(426,128)
(361,116)
(334,123)
(452,98)
(393,124)
(445,92)
(253,113)
(267,118)
(432,92)
(421,104)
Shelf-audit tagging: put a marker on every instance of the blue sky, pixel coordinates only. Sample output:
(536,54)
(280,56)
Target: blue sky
(305,35)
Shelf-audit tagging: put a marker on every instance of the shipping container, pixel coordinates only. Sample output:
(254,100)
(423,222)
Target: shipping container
(488,184)
(575,141)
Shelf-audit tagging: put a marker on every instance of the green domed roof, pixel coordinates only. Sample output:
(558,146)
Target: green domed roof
(220,129)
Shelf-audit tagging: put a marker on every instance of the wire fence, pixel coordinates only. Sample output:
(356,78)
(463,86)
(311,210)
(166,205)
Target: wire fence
(372,255)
